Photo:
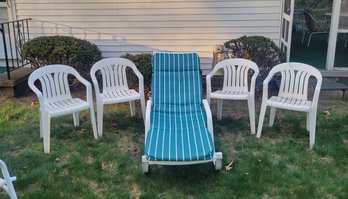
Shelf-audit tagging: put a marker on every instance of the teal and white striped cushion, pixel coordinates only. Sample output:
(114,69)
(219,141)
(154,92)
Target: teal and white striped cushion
(178,130)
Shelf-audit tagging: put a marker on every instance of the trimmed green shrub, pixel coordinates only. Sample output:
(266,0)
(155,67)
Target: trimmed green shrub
(143,63)
(77,53)
(261,50)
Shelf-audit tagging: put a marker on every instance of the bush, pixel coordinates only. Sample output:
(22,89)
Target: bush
(143,63)
(77,53)
(258,49)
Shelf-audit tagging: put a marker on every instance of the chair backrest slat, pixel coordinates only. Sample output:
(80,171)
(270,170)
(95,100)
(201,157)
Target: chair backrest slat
(236,73)
(54,81)
(113,72)
(295,79)
(55,85)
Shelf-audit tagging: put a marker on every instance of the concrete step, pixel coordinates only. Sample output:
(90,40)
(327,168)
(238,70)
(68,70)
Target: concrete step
(19,78)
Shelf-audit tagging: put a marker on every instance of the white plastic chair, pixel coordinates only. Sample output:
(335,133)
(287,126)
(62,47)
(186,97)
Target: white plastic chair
(236,85)
(115,87)
(55,98)
(6,181)
(293,93)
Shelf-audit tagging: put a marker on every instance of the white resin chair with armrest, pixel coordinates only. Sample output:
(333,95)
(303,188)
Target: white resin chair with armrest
(6,182)
(293,94)
(55,98)
(236,85)
(115,87)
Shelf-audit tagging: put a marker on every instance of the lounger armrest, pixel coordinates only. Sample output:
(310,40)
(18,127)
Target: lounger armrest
(209,117)
(147,117)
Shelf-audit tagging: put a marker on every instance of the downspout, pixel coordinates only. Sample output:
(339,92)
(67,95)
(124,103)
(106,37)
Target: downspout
(11,10)
(280,26)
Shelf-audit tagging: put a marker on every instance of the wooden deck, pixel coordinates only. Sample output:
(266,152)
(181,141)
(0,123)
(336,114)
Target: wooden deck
(334,73)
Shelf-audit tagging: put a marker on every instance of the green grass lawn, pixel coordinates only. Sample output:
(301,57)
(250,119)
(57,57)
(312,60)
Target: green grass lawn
(279,165)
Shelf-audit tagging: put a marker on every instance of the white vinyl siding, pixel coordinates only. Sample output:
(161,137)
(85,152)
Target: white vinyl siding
(140,26)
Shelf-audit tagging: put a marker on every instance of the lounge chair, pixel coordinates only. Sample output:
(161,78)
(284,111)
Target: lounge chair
(178,123)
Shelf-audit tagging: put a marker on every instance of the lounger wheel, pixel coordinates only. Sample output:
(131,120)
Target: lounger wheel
(218,161)
(145,165)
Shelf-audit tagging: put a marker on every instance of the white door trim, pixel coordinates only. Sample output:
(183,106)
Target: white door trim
(285,43)
(331,49)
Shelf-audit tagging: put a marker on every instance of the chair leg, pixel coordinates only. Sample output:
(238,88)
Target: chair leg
(303,36)
(11,190)
(309,39)
(76,117)
(142,103)
(312,126)
(100,112)
(218,161)
(219,108)
(132,108)
(94,125)
(46,131)
(251,106)
(41,124)
(145,164)
(307,121)
(6,183)
(262,117)
(272,116)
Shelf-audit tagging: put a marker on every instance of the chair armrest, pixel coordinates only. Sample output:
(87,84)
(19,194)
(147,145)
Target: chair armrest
(265,86)
(38,93)
(208,81)
(147,116)
(140,78)
(316,94)
(208,84)
(209,117)
(95,83)
(88,88)
(253,82)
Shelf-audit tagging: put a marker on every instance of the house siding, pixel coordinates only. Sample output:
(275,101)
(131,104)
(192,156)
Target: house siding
(140,26)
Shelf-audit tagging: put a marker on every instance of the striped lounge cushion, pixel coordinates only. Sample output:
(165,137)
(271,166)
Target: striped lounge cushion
(178,130)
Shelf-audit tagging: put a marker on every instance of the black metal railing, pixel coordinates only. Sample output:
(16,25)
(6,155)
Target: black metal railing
(14,34)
